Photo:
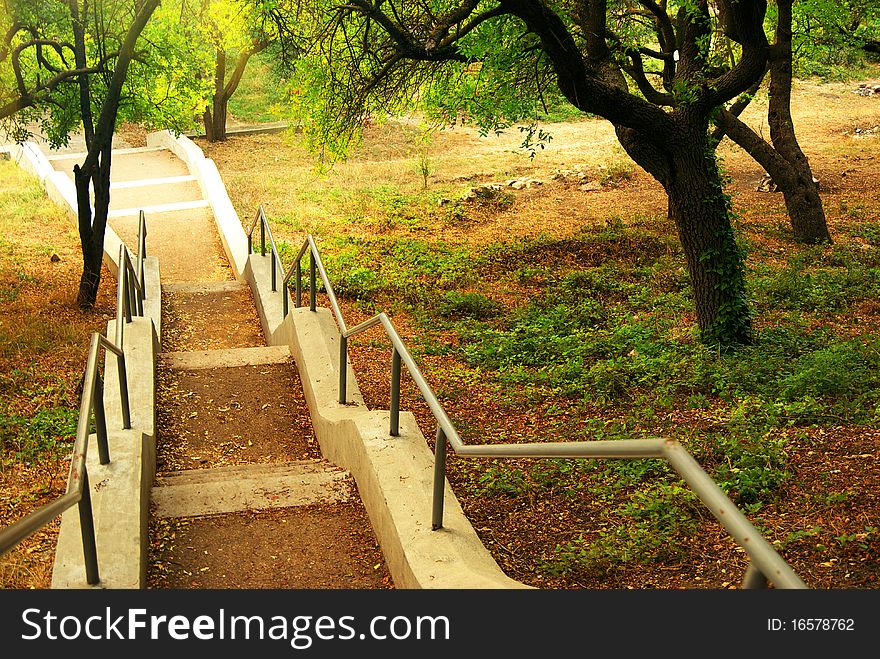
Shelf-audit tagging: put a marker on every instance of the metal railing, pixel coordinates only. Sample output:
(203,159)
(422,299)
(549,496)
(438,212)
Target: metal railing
(129,302)
(765,564)
(264,232)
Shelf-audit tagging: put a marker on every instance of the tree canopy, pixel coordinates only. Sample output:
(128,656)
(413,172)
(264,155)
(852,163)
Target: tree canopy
(655,69)
(86,65)
(50,48)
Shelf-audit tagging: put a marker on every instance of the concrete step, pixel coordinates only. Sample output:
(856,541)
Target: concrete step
(230,357)
(198,492)
(130,164)
(209,316)
(216,417)
(196,287)
(149,182)
(116,152)
(173,207)
(185,242)
(144,193)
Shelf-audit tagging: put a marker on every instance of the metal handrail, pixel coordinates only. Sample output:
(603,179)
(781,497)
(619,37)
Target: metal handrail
(264,230)
(91,403)
(130,296)
(141,250)
(765,564)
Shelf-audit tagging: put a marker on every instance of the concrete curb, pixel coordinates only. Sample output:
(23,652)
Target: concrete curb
(394,474)
(256,129)
(121,490)
(229,225)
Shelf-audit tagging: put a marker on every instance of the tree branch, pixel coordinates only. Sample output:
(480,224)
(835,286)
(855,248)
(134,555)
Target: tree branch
(240,65)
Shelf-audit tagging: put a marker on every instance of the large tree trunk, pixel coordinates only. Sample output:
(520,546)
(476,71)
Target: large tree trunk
(214,117)
(783,160)
(801,193)
(698,206)
(214,120)
(218,117)
(208,122)
(90,278)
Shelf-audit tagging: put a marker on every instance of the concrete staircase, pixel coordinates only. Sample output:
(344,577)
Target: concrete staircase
(259,468)
(233,433)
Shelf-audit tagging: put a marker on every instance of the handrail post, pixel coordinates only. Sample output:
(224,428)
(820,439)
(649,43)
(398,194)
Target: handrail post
(439,479)
(395,393)
(313,285)
(343,369)
(142,252)
(139,293)
(100,420)
(123,390)
(754,578)
(274,276)
(87,530)
(132,291)
(299,283)
(126,301)
(262,234)
(120,298)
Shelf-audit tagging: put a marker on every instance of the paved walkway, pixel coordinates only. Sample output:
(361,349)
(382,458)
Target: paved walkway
(242,498)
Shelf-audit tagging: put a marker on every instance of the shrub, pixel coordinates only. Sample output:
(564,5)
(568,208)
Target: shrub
(457,304)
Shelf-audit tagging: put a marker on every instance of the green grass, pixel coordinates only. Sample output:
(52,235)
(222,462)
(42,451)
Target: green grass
(48,433)
(37,416)
(394,269)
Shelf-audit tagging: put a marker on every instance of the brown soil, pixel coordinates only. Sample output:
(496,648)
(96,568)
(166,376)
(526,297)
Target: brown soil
(222,416)
(205,320)
(303,547)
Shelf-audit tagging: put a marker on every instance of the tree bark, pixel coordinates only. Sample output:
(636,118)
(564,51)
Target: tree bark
(214,117)
(92,227)
(699,207)
(215,114)
(783,160)
(800,190)
(802,202)
(208,122)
